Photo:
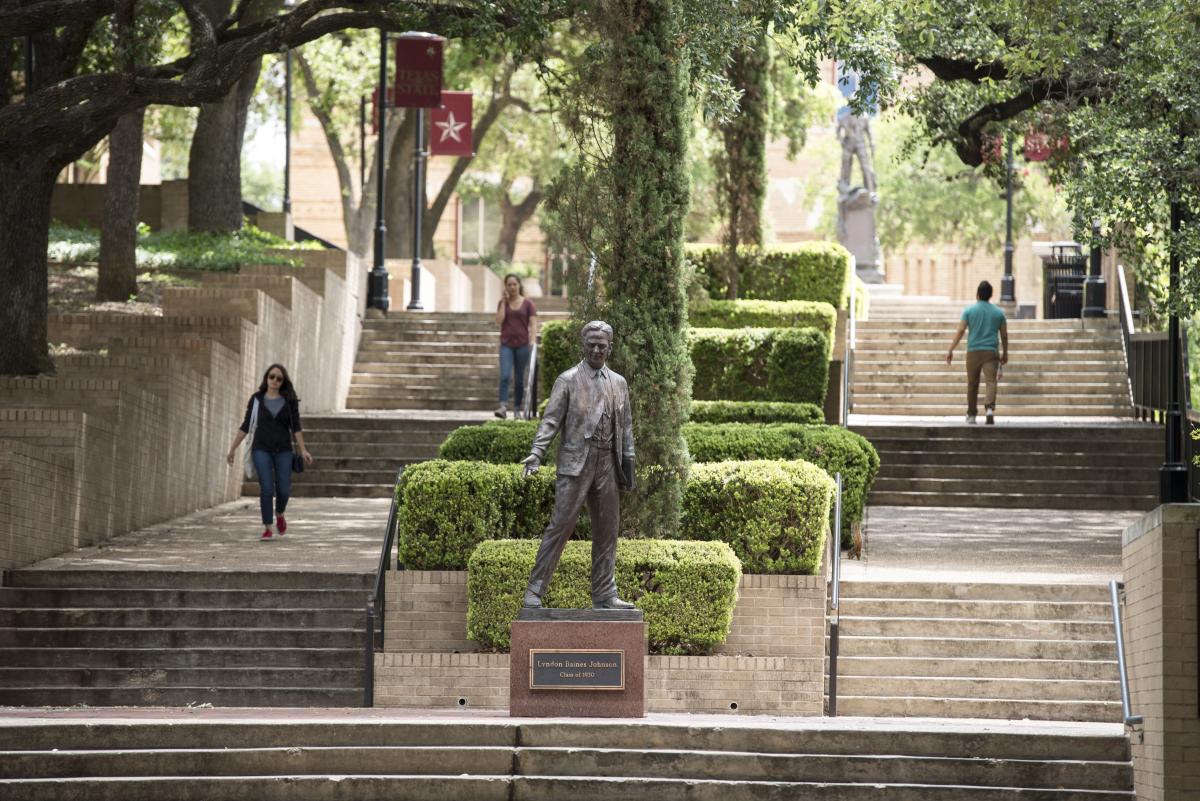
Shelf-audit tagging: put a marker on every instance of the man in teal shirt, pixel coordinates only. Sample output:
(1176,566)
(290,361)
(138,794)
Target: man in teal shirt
(987,349)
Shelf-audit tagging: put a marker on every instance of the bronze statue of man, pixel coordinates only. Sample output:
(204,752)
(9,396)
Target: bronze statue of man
(589,405)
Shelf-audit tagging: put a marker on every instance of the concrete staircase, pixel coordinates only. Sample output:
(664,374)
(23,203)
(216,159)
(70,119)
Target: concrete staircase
(888,305)
(428,361)
(358,455)
(958,650)
(1105,467)
(137,638)
(310,759)
(1057,368)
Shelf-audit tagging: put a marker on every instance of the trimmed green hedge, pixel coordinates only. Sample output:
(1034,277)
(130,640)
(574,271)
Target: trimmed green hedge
(558,350)
(833,449)
(765,314)
(756,412)
(805,271)
(760,364)
(687,590)
(773,514)
(447,508)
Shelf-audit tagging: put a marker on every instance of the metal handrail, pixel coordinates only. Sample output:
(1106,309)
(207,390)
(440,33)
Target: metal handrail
(375,601)
(835,617)
(848,356)
(1127,327)
(1131,719)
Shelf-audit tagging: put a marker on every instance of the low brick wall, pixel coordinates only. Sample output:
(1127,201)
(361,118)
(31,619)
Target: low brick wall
(772,663)
(135,431)
(700,684)
(775,615)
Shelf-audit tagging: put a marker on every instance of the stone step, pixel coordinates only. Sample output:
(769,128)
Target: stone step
(990,500)
(441,403)
(69,597)
(472,381)
(1007,392)
(977,628)
(1122,480)
(151,678)
(327,475)
(967,667)
(379,436)
(332,461)
(383,363)
(1065,326)
(1051,460)
(378,350)
(970,707)
(1062,399)
(351,422)
(258,696)
(438,334)
(1030,487)
(1054,436)
(1098,610)
(975,591)
(1065,409)
(1032,351)
(180,638)
(330,490)
(179,617)
(190,579)
(938,366)
(167,658)
(424,367)
(981,688)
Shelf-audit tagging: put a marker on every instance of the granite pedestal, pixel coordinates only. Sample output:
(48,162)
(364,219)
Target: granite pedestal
(578,663)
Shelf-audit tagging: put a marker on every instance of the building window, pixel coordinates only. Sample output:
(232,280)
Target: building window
(480,229)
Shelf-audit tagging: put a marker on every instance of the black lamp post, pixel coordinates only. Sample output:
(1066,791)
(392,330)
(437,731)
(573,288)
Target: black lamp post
(414,303)
(1173,476)
(1007,283)
(287,132)
(377,282)
(1094,290)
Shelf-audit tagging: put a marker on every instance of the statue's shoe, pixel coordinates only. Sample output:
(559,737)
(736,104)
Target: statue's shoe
(531,600)
(613,603)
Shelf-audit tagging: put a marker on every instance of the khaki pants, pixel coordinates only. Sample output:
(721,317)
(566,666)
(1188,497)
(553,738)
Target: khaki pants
(983,362)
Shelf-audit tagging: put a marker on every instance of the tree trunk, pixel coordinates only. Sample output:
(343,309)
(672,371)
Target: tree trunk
(215,158)
(743,164)
(646,81)
(398,211)
(24,235)
(118,233)
(513,217)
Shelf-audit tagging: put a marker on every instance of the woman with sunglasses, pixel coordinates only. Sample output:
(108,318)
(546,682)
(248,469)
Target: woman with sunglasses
(277,422)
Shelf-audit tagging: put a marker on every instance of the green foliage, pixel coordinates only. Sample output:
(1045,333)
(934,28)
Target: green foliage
(765,314)
(756,412)
(496,441)
(773,514)
(558,350)
(687,590)
(862,300)
(817,271)
(179,249)
(832,448)
(760,364)
(447,508)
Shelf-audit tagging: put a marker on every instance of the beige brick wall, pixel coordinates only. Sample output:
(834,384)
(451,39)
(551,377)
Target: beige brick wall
(1159,564)
(135,431)
(700,684)
(426,612)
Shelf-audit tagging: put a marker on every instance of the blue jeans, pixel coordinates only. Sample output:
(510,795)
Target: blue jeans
(513,359)
(274,481)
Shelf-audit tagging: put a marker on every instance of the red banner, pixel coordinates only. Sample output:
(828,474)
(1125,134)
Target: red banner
(418,70)
(450,126)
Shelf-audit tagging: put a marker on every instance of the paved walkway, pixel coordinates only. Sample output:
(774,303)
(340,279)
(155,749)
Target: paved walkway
(336,535)
(1007,545)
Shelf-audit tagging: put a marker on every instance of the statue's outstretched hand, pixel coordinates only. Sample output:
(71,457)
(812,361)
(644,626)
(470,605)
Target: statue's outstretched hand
(532,463)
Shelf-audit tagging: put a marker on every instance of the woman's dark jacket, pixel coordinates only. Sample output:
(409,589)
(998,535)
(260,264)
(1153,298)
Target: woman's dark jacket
(274,433)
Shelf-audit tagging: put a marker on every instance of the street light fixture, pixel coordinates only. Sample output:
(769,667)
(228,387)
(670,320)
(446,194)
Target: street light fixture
(377,282)
(287,125)
(1007,283)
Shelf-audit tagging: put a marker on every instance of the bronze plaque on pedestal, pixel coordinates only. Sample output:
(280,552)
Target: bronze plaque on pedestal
(576,669)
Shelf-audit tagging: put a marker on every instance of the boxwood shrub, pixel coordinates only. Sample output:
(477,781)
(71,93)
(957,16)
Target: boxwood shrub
(558,349)
(773,514)
(765,314)
(833,449)
(687,590)
(756,412)
(805,271)
(760,364)
(496,441)
(447,508)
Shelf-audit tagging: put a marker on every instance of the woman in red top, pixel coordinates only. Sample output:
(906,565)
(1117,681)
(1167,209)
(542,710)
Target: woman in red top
(518,327)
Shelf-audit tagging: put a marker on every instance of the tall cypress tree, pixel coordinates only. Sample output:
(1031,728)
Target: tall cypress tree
(646,94)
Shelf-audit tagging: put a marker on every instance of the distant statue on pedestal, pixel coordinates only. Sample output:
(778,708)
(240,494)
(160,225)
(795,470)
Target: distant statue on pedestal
(856,204)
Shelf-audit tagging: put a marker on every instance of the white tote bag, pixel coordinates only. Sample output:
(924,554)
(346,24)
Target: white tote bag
(247,454)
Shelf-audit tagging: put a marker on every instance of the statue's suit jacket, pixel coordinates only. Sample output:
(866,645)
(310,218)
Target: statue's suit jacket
(574,410)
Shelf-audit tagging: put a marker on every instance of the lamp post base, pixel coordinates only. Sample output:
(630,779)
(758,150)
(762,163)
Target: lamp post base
(1094,294)
(1173,483)
(377,289)
(1008,286)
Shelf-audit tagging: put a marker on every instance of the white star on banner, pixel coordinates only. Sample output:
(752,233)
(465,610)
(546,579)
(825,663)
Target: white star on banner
(451,128)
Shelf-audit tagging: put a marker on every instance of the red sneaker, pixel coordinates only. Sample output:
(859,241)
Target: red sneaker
(280,524)
(266,535)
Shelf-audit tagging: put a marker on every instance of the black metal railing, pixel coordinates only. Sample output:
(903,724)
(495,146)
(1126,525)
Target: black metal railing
(1148,367)
(835,595)
(1114,588)
(376,600)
